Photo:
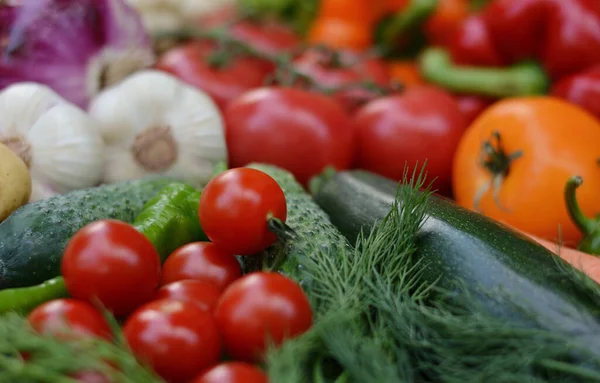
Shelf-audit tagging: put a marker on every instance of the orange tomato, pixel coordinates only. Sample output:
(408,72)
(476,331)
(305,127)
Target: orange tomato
(355,11)
(445,21)
(340,34)
(405,72)
(555,139)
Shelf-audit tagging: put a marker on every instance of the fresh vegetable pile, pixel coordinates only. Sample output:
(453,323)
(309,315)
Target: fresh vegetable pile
(299,191)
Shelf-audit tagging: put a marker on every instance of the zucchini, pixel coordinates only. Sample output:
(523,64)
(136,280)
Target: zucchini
(310,224)
(499,270)
(33,237)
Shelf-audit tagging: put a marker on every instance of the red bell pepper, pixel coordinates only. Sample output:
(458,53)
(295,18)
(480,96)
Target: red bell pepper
(561,36)
(582,89)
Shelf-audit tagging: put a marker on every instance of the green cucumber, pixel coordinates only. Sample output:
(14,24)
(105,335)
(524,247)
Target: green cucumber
(502,271)
(310,224)
(33,237)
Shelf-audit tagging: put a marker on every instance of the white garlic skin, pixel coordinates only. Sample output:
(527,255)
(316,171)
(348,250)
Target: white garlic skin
(154,124)
(58,141)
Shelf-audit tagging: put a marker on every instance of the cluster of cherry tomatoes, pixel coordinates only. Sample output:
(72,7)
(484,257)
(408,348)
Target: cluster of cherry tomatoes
(184,317)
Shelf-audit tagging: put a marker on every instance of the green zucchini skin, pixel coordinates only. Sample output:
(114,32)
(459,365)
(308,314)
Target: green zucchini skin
(310,223)
(33,237)
(503,271)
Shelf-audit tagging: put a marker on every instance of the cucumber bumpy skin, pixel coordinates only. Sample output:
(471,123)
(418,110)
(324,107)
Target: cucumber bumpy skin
(33,238)
(311,225)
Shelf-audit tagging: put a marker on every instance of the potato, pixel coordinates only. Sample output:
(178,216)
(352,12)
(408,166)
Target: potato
(15,182)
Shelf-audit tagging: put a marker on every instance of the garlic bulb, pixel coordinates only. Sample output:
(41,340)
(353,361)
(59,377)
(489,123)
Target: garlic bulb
(59,142)
(153,123)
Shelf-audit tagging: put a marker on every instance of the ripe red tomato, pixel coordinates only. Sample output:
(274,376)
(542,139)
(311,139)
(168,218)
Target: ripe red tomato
(204,294)
(110,261)
(335,69)
(258,308)
(234,208)
(297,130)
(423,123)
(222,81)
(202,261)
(177,339)
(233,372)
(68,319)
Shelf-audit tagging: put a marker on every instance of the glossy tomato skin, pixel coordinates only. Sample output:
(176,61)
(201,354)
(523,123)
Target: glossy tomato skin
(111,261)
(423,123)
(233,372)
(261,306)
(202,261)
(347,68)
(531,195)
(177,339)
(190,63)
(234,208)
(204,294)
(297,130)
(80,318)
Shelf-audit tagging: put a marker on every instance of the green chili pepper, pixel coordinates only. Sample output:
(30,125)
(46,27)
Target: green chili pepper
(24,299)
(523,79)
(589,227)
(170,219)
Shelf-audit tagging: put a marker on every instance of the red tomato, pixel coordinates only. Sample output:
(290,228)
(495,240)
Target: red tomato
(334,69)
(258,308)
(233,372)
(297,130)
(202,261)
(269,37)
(423,123)
(223,82)
(177,339)
(472,106)
(69,318)
(112,262)
(204,294)
(234,208)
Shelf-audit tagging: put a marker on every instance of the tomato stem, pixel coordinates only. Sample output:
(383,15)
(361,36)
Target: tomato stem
(496,161)
(586,225)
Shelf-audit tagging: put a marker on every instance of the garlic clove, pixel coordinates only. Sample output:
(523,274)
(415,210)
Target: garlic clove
(153,123)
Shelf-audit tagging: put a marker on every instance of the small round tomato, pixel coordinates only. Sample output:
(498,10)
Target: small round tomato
(204,294)
(177,339)
(300,131)
(69,318)
(111,262)
(423,123)
(335,69)
(446,19)
(202,261)
(234,209)
(233,372)
(258,308)
(341,34)
(196,63)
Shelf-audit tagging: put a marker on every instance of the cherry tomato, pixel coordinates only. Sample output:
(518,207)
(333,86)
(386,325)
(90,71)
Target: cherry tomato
(204,294)
(258,308)
(423,123)
(405,72)
(202,261)
(223,81)
(335,69)
(177,339)
(297,130)
(445,21)
(233,372)
(110,261)
(234,208)
(68,319)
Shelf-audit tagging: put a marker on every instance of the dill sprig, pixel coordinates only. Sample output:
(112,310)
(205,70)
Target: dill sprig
(379,321)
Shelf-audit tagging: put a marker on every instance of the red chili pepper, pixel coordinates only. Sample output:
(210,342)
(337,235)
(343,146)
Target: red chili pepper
(582,89)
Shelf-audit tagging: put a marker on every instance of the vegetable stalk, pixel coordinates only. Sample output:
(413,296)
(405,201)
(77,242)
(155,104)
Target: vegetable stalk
(589,227)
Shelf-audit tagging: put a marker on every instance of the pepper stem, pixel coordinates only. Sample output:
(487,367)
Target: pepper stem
(586,225)
(409,18)
(496,161)
(522,79)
